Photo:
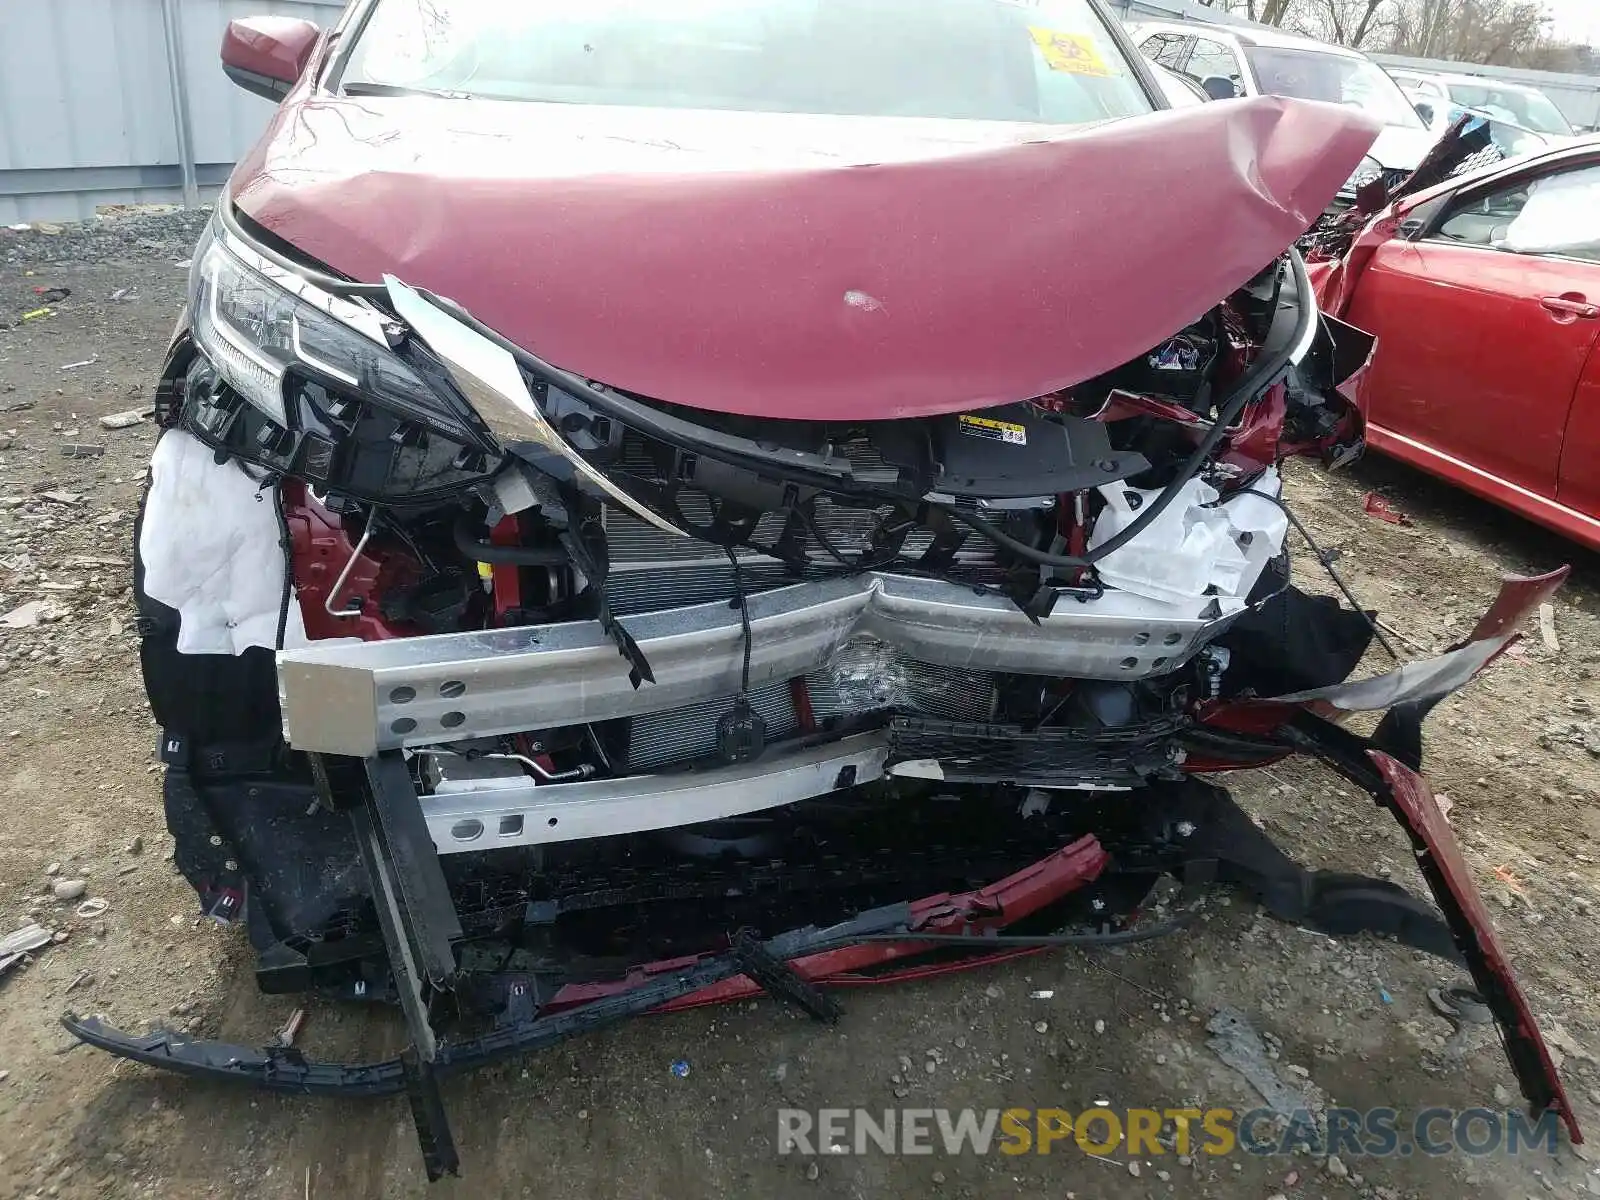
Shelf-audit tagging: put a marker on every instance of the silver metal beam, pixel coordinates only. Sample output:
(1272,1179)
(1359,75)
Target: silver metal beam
(522,814)
(357,698)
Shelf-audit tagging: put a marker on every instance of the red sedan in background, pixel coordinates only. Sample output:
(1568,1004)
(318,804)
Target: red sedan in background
(1484,293)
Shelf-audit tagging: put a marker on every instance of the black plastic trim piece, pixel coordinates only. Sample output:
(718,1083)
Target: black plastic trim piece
(287,1070)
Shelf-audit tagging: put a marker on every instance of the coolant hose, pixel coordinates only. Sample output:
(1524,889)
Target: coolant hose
(474,547)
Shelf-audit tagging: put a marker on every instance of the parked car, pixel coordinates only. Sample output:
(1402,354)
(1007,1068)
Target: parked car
(1229,61)
(1484,292)
(1436,95)
(1180,90)
(1510,141)
(661,502)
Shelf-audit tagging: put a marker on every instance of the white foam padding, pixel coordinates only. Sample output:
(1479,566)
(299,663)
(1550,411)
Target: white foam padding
(210,547)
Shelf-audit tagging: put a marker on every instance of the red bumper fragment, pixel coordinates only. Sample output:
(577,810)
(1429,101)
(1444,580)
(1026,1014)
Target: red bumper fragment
(989,908)
(1439,856)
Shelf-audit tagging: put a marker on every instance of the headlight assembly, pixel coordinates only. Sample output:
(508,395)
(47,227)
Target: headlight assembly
(1368,170)
(265,331)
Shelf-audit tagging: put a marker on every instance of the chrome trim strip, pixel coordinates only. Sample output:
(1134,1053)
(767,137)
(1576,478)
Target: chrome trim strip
(1307,295)
(493,818)
(490,379)
(357,314)
(1543,502)
(359,697)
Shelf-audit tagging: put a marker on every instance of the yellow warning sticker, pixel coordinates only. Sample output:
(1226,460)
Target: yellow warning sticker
(998,431)
(1075,53)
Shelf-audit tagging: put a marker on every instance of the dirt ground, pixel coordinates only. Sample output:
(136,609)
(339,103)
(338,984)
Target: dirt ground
(1518,752)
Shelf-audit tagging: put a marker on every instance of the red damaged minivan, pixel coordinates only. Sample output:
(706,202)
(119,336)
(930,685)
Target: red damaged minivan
(660,502)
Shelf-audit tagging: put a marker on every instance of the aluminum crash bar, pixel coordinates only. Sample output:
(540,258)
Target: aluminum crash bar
(359,698)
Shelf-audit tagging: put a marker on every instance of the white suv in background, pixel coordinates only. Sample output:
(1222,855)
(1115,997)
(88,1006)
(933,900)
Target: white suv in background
(1242,61)
(1438,98)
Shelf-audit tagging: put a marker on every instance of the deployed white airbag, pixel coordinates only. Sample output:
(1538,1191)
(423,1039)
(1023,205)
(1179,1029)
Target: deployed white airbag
(210,548)
(1196,546)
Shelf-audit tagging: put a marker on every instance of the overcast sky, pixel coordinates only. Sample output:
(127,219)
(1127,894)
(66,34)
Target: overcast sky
(1576,19)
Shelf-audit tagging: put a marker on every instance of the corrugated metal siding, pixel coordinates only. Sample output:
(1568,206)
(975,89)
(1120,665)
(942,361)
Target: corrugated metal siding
(86,112)
(225,118)
(87,117)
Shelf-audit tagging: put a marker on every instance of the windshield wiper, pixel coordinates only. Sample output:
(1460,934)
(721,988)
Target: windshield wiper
(364,87)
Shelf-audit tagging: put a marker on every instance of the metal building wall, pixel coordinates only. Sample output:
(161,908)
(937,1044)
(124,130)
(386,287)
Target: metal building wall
(86,101)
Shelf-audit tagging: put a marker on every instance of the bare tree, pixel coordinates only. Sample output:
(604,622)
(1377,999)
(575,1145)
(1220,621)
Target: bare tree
(1268,12)
(1479,31)
(1355,23)
(1502,32)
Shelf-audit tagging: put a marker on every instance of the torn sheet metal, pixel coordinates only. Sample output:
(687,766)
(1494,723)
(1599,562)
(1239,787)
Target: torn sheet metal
(1439,856)
(489,377)
(1417,683)
(211,549)
(819,267)
(1430,679)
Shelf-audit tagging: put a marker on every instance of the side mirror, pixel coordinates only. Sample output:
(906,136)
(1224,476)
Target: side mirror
(1220,87)
(267,55)
(1424,110)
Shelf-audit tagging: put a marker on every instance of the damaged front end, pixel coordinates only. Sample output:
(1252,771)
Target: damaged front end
(545,702)
(1473,142)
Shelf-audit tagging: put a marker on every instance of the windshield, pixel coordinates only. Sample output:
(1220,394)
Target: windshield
(1530,109)
(1312,75)
(1047,60)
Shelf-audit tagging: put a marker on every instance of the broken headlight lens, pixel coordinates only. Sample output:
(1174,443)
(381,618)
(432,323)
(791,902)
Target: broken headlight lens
(259,334)
(1368,170)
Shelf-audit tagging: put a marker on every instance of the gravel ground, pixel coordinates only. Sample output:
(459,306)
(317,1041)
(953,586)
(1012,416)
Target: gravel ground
(123,236)
(1518,753)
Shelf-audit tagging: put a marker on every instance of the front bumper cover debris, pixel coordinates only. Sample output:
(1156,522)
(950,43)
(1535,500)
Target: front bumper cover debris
(837,956)
(830,956)
(1190,829)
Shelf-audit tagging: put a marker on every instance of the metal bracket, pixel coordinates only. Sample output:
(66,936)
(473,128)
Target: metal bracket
(414,910)
(781,981)
(439,1154)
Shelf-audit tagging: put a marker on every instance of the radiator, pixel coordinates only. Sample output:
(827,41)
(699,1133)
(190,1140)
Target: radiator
(863,678)
(651,569)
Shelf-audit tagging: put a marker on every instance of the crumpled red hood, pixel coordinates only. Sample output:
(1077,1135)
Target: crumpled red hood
(799,266)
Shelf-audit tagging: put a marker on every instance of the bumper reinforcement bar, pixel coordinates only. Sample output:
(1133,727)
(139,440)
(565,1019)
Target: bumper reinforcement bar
(358,698)
(526,814)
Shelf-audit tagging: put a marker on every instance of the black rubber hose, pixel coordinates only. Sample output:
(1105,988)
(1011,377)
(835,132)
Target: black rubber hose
(286,543)
(1248,387)
(476,548)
